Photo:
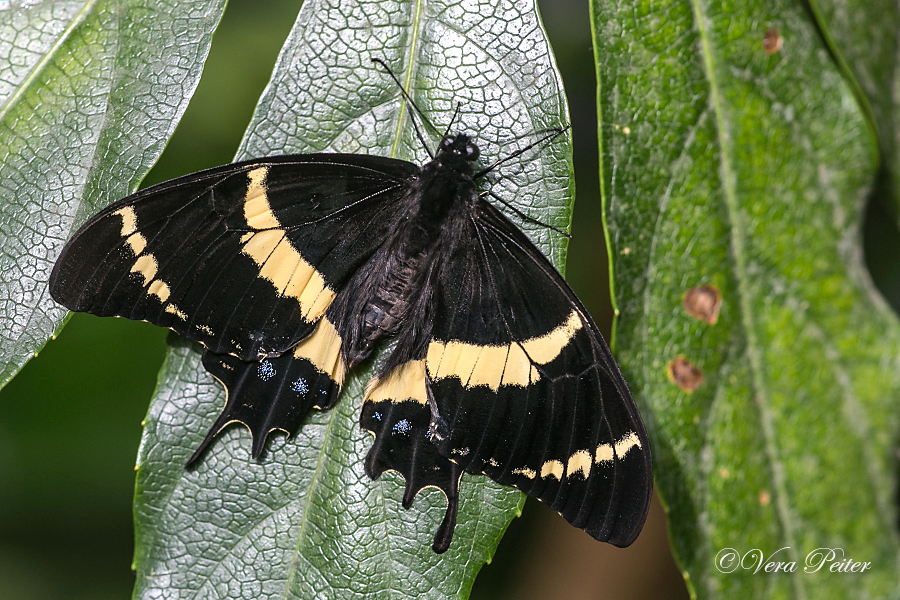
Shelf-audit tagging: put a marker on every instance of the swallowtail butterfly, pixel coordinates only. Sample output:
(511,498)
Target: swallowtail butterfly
(289,270)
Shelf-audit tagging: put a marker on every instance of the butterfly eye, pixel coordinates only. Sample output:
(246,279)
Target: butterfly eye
(446,143)
(472,151)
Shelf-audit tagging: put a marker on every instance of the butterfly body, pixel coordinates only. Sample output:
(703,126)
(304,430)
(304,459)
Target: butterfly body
(391,293)
(291,270)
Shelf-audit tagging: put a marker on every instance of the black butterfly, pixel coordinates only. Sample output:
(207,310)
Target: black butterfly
(290,269)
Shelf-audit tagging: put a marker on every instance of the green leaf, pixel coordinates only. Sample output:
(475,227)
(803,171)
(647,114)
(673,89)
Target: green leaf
(725,165)
(864,37)
(89,93)
(304,521)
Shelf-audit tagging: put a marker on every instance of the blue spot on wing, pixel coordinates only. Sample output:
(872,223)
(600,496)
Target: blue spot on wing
(300,386)
(265,370)
(402,426)
(274,393)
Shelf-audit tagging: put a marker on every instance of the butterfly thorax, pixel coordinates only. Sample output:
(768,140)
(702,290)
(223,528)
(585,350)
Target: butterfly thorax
(394,289)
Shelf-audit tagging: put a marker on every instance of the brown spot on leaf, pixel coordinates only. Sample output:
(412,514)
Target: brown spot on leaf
(703,302)
(772,41)
(684,374)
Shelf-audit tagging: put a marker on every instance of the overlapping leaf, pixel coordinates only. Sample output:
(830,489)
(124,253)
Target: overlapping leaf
(864,39)
(90,91)
(728,165)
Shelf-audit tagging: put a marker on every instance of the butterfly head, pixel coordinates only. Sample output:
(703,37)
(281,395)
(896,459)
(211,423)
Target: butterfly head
(459,145)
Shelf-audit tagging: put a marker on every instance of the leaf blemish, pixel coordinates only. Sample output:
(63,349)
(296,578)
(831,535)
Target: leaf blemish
(772,41)
(684,374)
(703,302)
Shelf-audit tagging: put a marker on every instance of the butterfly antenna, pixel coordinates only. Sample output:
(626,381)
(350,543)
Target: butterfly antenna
(410,102)
(533,134)
(552,134)
(525,217)
(453,120)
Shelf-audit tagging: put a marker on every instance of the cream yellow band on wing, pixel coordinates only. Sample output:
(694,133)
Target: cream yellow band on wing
(278,261)
(145,264)
(323,350)
(406,383)
(580,461)
(493,366)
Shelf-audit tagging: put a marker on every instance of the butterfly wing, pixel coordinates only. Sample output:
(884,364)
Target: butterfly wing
(245,259)
(516,383)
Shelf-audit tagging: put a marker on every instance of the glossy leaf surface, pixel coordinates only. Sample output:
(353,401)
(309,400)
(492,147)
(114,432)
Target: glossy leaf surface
(90,92)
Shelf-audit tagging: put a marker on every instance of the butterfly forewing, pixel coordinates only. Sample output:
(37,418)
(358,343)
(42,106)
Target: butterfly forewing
(244,258)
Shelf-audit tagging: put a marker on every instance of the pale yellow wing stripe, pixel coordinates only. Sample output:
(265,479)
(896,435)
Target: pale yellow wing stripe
(273,253)
(580,461)
(493,366)
(474,365)
(323,350)
(604,454)
(545,348)
(160,289)
(529,473)
(629,440)
(552,468)
(256,203)
(144,265)
(406,383)
(174,310)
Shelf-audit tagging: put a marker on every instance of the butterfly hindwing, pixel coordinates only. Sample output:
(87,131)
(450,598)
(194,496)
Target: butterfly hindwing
(568,432)
(516,383)
(274,393)
(397,411)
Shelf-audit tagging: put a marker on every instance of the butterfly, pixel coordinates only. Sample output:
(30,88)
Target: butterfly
(290,270)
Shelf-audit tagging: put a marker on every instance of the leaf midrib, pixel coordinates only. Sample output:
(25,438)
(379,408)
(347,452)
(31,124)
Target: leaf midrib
(745,296)
(310,494)
(409,73)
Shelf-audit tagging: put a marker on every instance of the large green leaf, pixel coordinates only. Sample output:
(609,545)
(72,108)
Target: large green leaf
(90,90)
(304,521)
(727,165)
